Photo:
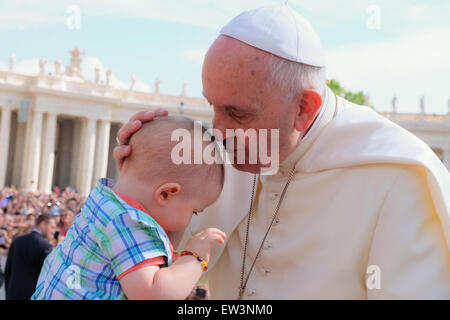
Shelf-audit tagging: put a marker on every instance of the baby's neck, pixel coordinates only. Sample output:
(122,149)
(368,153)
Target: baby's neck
(134,189)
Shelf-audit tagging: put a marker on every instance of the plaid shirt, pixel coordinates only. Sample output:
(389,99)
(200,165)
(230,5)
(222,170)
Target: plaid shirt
(106,239)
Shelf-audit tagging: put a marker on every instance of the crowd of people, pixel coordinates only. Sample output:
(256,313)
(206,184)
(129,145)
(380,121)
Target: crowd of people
(23,212)
(20,209)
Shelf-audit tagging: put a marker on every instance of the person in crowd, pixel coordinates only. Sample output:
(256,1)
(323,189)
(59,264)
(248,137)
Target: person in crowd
(26,257)
(67,217)
(72,204)
(30,221)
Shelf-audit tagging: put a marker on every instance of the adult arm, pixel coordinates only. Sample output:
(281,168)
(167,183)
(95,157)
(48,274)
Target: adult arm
(177,281)
(409,249)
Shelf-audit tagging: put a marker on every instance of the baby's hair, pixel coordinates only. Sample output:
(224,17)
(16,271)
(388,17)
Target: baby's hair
(152,148)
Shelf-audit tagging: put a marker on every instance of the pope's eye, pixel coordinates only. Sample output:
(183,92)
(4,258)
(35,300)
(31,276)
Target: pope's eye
(236,115)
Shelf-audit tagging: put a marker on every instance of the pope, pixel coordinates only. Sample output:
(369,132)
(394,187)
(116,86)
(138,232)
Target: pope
(359,207)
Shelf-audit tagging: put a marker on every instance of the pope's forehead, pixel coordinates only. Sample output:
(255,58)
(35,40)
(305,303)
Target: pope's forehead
(234,73)
(233,69)
(229,51)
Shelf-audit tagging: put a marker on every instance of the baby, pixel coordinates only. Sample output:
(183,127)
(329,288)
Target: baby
(117,247)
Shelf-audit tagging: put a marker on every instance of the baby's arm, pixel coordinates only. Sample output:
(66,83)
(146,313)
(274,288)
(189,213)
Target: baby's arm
(174,282)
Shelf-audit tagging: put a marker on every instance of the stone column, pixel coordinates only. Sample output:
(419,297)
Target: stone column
(5,127)
(48,154)
(87,150)
(102,148)
(33,152)
(19,162)
(75,155)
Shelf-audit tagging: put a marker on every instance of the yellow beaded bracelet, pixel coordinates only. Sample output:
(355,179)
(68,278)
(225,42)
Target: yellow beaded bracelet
(195,255)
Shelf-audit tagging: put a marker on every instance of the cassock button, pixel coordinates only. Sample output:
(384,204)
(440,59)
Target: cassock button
(250,292)
(273,195)
(266,271)
(267,246)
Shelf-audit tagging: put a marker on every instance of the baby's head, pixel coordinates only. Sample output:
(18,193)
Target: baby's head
(171,193)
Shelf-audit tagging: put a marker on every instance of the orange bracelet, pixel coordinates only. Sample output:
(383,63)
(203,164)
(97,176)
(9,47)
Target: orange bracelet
(200,259)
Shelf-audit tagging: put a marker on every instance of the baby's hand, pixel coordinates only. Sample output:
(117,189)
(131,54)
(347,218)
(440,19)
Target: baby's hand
(202,242)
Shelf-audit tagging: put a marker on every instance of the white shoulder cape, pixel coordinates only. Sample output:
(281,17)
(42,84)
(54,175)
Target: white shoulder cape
(359,136)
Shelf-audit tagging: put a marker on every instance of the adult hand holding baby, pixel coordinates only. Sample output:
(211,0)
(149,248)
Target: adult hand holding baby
(124,134)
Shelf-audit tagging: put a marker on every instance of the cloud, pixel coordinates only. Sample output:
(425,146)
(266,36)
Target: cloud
(207,13)
(20,14)
(213,14)
(408,67)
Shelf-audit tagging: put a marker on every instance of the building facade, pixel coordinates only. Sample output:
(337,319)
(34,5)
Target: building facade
(59,129)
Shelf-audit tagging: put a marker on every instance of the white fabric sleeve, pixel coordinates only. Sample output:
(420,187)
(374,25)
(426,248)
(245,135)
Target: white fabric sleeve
(408,247)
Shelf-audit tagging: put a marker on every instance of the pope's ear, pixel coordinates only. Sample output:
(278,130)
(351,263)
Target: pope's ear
(308,108)
(166,192)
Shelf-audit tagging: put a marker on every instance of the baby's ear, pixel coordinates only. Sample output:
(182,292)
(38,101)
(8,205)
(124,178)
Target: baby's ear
(166,192)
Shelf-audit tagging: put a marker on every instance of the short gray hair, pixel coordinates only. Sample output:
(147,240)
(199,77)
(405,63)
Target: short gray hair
(294,76)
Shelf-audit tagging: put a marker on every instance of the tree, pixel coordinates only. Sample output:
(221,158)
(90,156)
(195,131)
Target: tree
(358,97)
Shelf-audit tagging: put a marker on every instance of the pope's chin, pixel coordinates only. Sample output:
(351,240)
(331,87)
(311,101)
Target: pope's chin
(246,166)
(256,169)
(250,168)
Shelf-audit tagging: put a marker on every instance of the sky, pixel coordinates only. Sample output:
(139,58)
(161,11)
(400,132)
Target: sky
(383,48)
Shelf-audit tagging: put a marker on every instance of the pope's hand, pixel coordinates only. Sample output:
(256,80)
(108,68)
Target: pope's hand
(124,134)
(202,242)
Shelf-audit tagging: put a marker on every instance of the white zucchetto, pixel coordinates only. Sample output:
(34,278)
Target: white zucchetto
(279,30)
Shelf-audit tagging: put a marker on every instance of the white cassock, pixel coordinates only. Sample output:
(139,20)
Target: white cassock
(366,192)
